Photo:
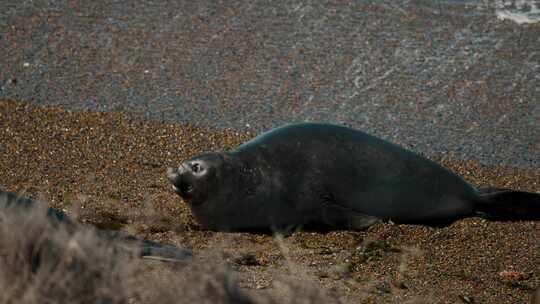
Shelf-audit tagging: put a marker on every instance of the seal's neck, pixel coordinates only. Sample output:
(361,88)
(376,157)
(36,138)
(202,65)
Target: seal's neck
(247,173)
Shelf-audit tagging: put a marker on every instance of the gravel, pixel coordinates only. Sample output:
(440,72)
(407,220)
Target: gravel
(109,169)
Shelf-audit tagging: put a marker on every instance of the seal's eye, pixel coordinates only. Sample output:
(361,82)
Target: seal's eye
(196,167)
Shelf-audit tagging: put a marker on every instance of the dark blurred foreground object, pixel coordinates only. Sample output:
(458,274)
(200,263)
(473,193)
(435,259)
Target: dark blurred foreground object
(46,258)
(14,207)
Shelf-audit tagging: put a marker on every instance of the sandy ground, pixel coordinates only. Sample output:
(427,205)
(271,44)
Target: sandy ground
(108,169)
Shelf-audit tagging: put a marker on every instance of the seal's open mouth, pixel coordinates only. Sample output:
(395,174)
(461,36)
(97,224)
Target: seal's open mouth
(185,188)
(181,187)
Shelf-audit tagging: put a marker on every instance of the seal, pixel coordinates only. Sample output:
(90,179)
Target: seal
(329,176)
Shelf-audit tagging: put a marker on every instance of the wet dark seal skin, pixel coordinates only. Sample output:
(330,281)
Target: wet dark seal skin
(329,176)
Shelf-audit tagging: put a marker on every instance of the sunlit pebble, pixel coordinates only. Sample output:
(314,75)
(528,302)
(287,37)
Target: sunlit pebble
(513,275)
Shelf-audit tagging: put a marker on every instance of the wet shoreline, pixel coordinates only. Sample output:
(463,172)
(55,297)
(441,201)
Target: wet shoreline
(433,76)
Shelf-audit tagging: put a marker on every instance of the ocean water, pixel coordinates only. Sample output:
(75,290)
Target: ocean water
(438,77)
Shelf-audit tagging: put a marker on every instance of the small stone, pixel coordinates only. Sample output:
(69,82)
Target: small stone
(514,275)
(247,259)
(467,299)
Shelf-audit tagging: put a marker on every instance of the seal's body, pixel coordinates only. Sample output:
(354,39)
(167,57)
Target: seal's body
(321,175)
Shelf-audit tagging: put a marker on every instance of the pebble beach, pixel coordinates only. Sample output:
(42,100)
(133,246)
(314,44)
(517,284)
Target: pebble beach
(98,98)
(108,169)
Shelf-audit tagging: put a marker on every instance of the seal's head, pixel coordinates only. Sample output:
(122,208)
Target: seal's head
(209,184)
(196,178)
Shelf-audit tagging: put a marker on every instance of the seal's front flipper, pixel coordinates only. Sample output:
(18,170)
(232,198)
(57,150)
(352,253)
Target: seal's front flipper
(342,217)
(358,221)
(508,205)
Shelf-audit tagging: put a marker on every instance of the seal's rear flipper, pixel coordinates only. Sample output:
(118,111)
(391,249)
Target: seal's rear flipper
(507,205)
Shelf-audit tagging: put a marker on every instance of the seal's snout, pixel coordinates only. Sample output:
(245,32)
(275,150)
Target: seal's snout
(172,175)
(180,182)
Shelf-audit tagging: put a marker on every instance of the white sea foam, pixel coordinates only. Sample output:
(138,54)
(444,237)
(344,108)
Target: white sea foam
(519,11)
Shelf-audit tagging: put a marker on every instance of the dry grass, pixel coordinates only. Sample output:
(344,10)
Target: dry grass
(43,261)
(46,261)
